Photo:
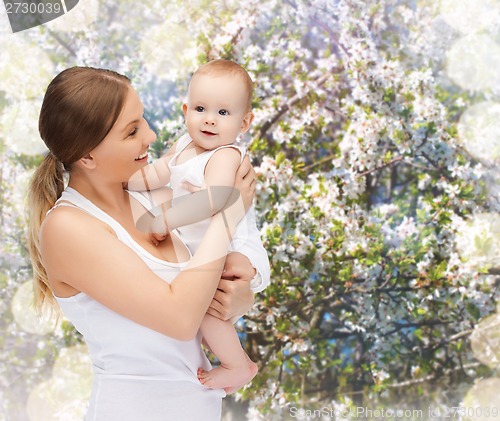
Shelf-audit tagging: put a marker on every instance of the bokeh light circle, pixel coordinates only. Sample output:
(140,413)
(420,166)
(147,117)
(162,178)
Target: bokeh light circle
(479,131)
(77,19)
(473,62)
(169,51)
(64,397)
(74,368)
(25,315)
(478,242)
(485,341)
(17,197)
(41,405)
(25,69)
(5,33)
(470,16)
(19,127)
(47,402)
(484,394)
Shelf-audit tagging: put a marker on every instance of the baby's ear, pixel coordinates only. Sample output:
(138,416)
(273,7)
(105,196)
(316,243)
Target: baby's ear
(247,120)
(184,109)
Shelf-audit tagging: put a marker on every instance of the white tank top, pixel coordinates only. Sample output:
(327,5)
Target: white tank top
(139,374)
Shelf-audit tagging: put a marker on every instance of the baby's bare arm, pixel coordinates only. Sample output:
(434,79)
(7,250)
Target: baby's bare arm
(219,193)
(152,176)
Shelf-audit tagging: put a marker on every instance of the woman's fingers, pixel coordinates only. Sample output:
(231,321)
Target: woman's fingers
(245,182)
(245,171)
(244,167)
(215,309)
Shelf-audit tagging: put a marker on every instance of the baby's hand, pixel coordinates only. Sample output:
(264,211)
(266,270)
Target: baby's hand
(158,229)
(191,187)
(159,224)
(156,239)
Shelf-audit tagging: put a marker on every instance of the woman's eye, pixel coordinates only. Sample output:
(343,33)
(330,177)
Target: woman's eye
(223,112)
(133,132)
(200,109)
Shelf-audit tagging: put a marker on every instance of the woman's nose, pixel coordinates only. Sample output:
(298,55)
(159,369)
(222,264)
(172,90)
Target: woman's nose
(151,138)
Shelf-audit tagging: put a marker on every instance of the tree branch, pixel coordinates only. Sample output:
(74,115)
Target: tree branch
(62,42)
(442,170)
(320,162)
(431,376)
(335,39)
(284,108)
(392,161)
(400,326)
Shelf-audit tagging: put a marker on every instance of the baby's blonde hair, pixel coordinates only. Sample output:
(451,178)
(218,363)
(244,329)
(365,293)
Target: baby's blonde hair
(223,67)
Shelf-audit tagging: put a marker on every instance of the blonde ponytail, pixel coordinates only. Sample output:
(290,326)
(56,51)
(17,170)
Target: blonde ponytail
(79,108)
(45,188)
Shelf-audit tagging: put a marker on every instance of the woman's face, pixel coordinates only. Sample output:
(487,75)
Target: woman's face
(124,150)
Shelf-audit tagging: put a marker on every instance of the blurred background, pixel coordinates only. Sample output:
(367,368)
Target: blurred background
(376,139)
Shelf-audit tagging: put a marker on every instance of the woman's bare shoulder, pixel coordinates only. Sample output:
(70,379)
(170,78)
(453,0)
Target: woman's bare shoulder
(70,240)
(64,221)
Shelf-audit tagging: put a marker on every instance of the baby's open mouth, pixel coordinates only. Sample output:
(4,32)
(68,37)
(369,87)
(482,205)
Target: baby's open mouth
(206,132)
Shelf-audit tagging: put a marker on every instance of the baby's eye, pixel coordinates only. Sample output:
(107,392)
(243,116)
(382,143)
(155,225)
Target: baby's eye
(223,112)
(200,109)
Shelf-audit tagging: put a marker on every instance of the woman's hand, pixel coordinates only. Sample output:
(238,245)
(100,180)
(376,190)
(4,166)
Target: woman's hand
(233,296)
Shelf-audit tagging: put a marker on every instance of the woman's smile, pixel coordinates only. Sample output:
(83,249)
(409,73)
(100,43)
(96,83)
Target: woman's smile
(142,157)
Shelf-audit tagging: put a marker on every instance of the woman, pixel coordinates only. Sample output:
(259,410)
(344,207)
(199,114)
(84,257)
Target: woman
(106,275)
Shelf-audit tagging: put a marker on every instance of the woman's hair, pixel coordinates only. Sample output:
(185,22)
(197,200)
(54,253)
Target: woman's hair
(79,109)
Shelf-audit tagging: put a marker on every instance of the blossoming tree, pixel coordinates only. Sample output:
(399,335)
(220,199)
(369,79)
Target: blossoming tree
(377,205)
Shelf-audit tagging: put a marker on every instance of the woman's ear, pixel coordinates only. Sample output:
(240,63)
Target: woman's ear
(88,162)
(247,120)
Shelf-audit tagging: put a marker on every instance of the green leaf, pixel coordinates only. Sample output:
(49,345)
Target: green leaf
(279,159)
(473,311)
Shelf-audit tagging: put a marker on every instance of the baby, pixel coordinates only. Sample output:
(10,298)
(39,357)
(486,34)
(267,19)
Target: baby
(217,111)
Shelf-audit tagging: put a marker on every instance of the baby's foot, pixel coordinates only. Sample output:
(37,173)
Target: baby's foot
(229,379)
(253,369)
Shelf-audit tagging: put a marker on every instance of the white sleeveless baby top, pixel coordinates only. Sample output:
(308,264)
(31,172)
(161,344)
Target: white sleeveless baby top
(139,374)
(193,171)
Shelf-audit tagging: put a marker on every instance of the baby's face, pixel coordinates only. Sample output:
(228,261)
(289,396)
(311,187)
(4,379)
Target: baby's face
(217,110)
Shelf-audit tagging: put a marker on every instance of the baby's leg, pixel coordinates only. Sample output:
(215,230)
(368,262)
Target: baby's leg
(236,368)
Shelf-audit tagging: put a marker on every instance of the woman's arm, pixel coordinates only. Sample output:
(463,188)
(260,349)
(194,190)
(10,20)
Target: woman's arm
(95,261)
